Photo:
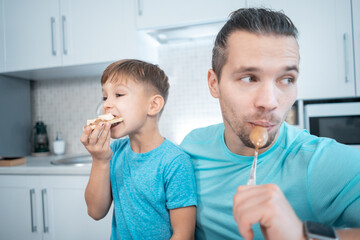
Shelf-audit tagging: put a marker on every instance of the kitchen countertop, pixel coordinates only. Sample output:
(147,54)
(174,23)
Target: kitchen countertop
(43,166)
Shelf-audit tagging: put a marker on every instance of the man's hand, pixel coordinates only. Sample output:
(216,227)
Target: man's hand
(267,205)
(98,146)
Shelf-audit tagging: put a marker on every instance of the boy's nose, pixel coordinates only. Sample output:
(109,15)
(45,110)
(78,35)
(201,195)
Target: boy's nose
(107,104)
(267,97)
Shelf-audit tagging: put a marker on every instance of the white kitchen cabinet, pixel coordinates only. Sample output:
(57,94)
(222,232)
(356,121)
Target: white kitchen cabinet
(47,207)
(32,36)
(52,33)
(20,216)
(164,13)
(97,30)
(356,28)
(326,49)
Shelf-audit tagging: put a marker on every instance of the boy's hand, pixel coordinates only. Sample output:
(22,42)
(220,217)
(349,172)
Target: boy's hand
(98,146)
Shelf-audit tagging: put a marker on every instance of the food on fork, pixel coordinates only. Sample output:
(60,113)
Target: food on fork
(114,120)
(258,136)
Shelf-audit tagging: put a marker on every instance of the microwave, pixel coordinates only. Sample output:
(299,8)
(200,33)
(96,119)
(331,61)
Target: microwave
(339,121)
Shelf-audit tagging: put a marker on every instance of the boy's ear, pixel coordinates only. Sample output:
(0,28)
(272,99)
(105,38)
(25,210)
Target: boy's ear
(156,104)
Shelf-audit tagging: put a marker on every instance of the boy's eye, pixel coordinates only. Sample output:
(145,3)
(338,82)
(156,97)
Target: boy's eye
(104,99)
(119,95)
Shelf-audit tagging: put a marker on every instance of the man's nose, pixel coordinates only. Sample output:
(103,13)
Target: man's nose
(267,96)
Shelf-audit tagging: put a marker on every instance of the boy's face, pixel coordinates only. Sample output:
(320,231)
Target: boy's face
(127,99)
(258,83)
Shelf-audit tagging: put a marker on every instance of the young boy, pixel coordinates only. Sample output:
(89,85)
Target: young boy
(150,179)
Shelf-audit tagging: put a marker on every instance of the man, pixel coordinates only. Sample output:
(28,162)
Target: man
(301,177)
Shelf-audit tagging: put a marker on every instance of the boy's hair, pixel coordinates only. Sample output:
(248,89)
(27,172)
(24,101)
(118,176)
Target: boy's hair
(139,71)
(253,20)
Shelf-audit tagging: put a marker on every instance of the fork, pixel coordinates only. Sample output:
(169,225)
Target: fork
(252,178)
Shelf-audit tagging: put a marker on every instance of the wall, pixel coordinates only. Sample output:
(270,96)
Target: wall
(190,104)
(65,105)
(15,112)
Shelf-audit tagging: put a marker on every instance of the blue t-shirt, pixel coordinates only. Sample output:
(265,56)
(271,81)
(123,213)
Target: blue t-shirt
(319,177)
(145,186)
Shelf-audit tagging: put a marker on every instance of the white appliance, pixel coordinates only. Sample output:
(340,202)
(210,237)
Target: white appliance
(340,121)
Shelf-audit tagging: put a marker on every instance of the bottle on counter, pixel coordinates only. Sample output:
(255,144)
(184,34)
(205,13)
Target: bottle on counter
(59,145)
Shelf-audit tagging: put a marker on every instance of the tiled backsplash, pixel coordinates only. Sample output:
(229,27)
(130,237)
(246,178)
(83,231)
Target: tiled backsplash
(65,105)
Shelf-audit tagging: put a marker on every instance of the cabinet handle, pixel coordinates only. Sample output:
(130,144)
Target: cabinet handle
(45,210)
(53,37)
(33,210)
(65,49)
(346,57)
(140,7)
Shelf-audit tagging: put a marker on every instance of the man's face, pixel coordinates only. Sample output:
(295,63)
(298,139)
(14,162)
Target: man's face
(257,84)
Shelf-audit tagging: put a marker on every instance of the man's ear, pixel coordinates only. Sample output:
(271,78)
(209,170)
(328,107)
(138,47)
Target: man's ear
(213,84)
(156,104)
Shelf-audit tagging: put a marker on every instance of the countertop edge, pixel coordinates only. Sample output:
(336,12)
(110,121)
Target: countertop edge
(43,166)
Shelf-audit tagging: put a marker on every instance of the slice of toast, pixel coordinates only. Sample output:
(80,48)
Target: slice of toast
(103,118)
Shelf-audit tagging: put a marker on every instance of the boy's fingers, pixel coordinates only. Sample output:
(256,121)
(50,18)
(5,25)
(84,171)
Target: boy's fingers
(93,139)
(107,142)
(85,136)
(104,134)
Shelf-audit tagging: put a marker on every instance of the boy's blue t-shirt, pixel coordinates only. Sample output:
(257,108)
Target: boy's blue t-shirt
(319,177)
(145,186)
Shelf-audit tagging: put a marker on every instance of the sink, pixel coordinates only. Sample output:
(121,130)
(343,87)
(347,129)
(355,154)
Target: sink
(83,160)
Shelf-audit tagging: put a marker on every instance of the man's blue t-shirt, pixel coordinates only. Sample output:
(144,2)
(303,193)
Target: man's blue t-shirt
(318,176)
(145,186)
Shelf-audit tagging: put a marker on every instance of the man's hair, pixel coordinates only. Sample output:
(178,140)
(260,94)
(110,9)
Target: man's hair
(149,74)
(253,20)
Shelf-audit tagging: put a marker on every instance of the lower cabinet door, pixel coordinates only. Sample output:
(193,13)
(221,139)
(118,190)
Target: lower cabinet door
(20,208)
(66,213)
(48,207)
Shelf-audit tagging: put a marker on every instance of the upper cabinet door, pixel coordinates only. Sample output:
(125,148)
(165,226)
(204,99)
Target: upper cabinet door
(165,13)
(31,34)
(41,34)
(95,31)
(356,27)
(326,49)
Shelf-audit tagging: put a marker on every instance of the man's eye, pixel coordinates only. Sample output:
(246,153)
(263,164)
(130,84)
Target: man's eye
(287,81)
(247,79)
